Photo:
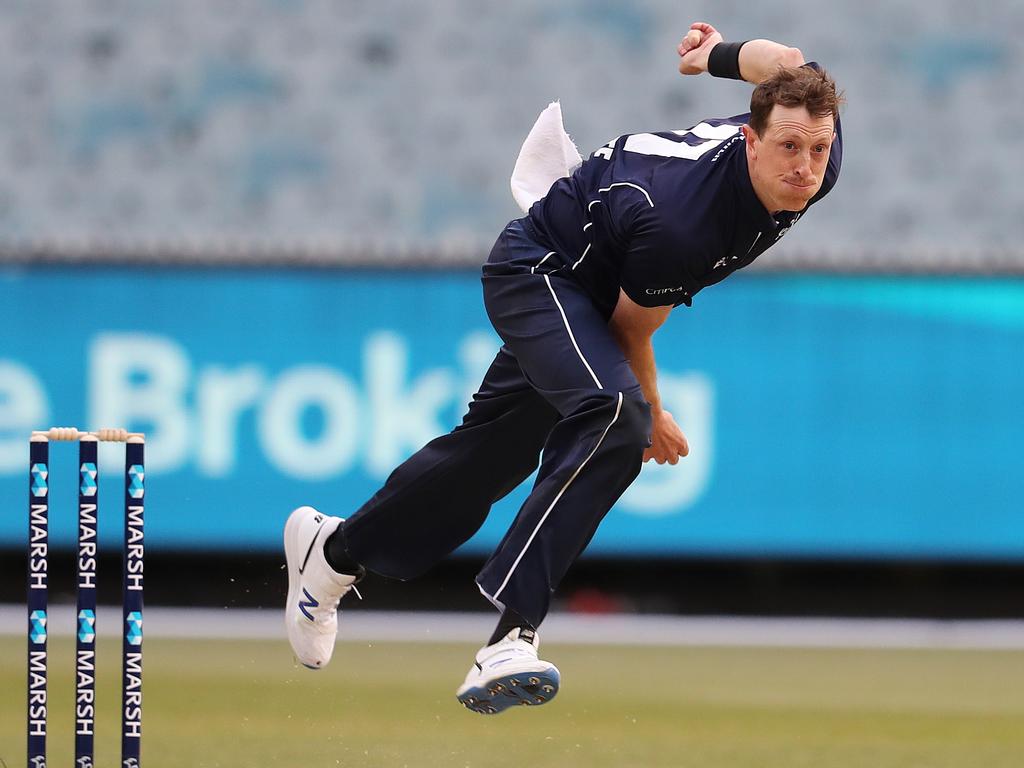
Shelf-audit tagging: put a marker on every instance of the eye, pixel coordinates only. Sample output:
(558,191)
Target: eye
(820,148)
(789,145)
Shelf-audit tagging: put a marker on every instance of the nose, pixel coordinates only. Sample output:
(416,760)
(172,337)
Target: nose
(803,166)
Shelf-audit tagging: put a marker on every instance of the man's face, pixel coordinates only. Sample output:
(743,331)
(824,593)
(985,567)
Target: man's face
(787,164)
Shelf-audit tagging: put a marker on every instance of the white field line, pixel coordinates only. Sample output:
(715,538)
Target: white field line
(626,629)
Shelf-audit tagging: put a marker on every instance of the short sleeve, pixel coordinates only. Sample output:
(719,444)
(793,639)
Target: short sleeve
(657,271)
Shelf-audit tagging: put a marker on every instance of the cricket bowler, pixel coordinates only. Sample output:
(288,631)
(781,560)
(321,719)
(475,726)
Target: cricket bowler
(576,290)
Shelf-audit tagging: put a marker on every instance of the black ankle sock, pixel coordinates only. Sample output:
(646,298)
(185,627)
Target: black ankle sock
(509,620)
(336,553)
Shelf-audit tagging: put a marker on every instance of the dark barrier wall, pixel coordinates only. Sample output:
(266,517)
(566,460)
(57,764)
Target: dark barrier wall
(828,416)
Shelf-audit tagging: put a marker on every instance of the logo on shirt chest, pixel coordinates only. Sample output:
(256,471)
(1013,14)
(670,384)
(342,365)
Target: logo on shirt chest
(726,261)
(788,227)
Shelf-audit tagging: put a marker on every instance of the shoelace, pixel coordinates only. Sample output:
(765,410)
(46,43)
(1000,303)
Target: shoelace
(331,608)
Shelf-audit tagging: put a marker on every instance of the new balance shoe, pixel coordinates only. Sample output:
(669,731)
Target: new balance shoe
(509,673)
(314,588)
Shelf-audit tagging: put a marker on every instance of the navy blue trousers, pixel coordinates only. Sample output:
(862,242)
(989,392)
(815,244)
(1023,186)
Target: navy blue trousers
(559,391)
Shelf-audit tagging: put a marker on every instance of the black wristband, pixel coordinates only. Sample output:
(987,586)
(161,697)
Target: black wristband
(724,60)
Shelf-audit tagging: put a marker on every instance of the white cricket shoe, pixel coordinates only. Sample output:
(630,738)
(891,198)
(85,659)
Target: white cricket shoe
(314,588)
(509,673)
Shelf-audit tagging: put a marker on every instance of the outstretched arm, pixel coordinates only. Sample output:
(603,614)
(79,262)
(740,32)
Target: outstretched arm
(758,58)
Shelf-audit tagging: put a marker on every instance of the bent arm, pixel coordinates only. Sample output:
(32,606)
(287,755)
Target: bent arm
(758,58)
(633,326)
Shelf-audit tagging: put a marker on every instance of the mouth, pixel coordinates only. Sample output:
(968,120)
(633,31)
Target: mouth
(799,186)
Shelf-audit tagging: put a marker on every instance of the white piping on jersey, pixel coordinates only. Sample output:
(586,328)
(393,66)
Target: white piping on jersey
(618,409)
(572,338)
(591,205)
(581,258)
(586,226)
(534,267)
(753,243)
(627,184)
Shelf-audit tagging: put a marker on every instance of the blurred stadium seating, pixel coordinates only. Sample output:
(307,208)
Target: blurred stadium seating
(351,133)
(350,128)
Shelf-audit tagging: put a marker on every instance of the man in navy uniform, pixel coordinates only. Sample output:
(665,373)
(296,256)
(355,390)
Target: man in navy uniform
(576,290)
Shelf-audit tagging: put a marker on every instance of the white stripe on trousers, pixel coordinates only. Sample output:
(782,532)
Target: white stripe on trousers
(618,409)
(571,337)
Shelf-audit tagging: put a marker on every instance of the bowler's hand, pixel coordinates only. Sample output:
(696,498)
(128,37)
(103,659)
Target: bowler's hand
(694,58)
(668,442)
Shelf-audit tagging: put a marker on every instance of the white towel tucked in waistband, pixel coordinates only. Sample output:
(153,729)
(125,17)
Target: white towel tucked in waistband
(547,155)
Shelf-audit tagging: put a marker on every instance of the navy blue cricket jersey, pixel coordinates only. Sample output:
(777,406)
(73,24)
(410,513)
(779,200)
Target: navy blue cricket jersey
(663,215)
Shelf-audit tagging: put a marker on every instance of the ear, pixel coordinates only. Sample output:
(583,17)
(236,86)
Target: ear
(751,139)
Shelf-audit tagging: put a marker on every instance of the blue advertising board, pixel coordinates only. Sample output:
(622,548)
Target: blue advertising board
(827,415)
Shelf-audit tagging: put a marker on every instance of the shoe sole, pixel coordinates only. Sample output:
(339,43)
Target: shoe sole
(529,689)
(293,557)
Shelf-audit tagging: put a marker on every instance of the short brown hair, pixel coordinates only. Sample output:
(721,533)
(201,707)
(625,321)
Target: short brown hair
(794,87)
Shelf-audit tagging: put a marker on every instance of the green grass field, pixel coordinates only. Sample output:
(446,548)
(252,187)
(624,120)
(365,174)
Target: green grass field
(218,703)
